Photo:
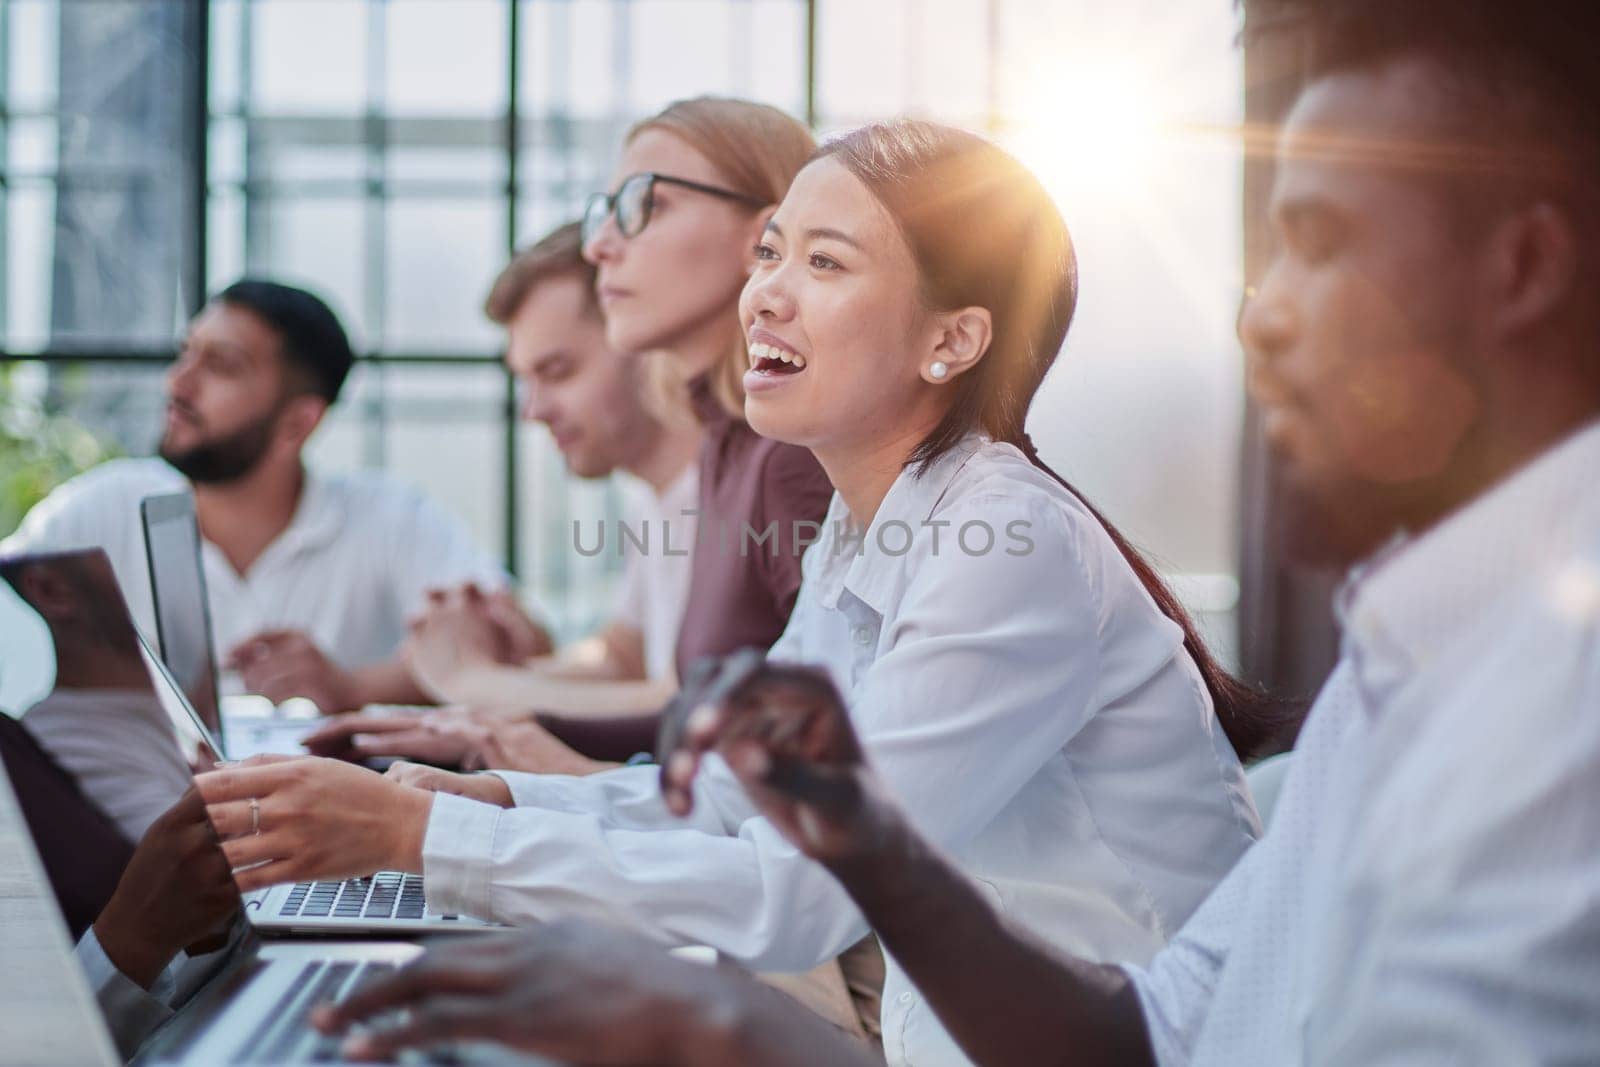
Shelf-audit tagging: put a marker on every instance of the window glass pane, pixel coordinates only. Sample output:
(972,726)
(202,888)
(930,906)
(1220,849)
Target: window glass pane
(30,236)
(317,243)
(680,48)
(31,148)
(576,588)
(437,427)
(121,402)
(350,432)
(299,152)
(443,434)
(225,151)
(940,72)
(858,79)
(775,48)
(226,78)
(224,239)
(445,57)
(442,255)
(308,58)
(1112,108)
(948,64)
(559,165)
(33,49)
(461,152)
(573,61)
(537,216)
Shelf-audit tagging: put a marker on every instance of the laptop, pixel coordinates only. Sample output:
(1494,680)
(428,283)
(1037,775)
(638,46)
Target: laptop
(47,1011)
(388,903)
(253,1002)
(184,632)
(253,1007)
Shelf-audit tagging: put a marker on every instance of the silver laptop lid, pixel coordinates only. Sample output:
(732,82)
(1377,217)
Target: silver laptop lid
(47,1014)
(182,610)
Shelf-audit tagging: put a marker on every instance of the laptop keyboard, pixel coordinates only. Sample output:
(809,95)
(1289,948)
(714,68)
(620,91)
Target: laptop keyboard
(284,1034)
(385,895)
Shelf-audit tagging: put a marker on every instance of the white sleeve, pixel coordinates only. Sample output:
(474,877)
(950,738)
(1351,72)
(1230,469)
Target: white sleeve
(432,548)
(131,1012)
(982,671)
(1176,989)
(1467,929)
(750,895)
(629,798)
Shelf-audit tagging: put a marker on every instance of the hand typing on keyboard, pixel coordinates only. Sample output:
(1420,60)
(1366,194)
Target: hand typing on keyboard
(318,819)
(571,991)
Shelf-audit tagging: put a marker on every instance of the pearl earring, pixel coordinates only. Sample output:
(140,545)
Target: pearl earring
(938,369)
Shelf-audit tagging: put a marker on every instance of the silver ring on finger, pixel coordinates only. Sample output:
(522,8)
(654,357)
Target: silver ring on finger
(255,816)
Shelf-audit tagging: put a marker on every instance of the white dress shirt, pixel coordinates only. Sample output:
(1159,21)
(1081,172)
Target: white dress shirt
(1429,892)
(655,577)
(354,562)
(1035,713)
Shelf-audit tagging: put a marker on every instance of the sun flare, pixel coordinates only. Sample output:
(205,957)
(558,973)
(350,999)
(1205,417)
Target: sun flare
(1094,125)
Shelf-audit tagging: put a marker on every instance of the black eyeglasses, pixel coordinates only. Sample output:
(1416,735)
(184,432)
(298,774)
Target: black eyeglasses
(637,195)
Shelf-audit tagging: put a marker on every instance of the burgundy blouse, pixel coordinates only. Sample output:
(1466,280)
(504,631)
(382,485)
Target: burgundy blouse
(745,572)
(756,498)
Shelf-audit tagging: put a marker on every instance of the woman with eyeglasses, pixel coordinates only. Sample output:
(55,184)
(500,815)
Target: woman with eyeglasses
(674,242)
(1025,685)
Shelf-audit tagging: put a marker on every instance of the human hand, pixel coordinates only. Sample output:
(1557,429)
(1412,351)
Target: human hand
(527,746)
(176,893)
(786,735)
(488,788)
(449,736)
(280,664)
(524,637)
(457,633)
(314,818)
(575,992)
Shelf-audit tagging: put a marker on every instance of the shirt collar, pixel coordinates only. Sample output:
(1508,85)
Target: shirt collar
(318,519)
(870,574)
(1417,597)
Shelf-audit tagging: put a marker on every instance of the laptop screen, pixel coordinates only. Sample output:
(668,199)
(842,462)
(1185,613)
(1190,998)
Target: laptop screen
(113,721)
(178,588)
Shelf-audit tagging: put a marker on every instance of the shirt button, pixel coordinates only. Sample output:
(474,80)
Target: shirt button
(905,998)
(863,636)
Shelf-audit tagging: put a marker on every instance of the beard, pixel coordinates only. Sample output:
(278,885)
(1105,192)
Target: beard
(1334,523)
(225,459)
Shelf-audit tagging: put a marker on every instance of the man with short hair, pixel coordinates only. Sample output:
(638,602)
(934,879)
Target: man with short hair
(310,576)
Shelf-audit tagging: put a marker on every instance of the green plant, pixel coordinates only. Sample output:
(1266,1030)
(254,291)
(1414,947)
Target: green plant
(39,450)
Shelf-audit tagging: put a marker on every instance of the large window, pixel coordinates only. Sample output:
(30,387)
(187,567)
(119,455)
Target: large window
(391,153)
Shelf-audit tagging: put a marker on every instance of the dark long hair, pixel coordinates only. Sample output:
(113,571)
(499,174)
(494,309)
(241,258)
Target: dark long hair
(985,233)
